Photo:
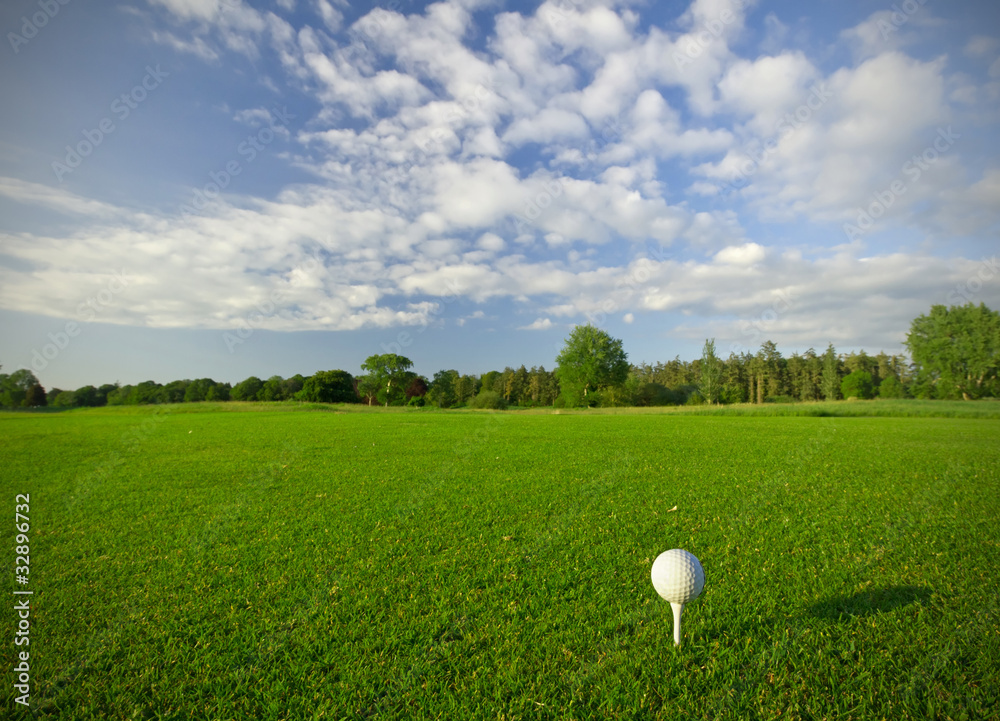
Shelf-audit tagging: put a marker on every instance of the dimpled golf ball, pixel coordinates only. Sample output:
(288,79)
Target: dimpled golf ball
(678,576)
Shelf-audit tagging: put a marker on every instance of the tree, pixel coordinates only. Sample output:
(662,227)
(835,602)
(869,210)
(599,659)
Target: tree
(247,390)
(830,380)
(118,396)
(103,391)
(272,390)
(442,389)
(772,373)
(492,381)
(173,392)
(489,399)
(147,392)
(65,399)
(465,388)
(416,388)
(388,374)
(35,397)
(891,388)
(290,387)
(198,390)
(956,350)
(86,396)
(522,379)
(15,387)
(858,385)
(591,360)
(218,392)
(711,373)
(335,386)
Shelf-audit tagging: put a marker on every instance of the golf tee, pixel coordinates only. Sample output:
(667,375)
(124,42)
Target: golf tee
(678,610)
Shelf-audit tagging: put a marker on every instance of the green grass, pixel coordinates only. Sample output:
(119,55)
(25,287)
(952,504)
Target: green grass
(194,563)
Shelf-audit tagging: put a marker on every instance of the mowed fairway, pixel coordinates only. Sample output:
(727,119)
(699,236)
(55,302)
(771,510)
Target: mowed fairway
(279,563)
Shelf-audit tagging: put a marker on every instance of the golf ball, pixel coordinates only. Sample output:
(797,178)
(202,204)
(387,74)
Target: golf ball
(678,576)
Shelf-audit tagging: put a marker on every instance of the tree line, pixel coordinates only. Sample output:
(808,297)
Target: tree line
(954,353)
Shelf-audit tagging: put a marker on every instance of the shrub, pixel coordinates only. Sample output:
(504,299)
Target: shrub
(779,399)
(695,399)
(489,399)
(891,388)
(66,399)
(858,385)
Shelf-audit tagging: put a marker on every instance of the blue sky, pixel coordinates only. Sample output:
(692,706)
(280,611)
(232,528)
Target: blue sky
(225,188)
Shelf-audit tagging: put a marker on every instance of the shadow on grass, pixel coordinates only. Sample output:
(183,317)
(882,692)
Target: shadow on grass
(870,602)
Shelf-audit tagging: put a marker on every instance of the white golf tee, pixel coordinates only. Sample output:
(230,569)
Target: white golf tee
(678,610)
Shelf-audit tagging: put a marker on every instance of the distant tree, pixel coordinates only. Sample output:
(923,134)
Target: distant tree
(218,392)
(711,373)
(14,391)
(290,387)
(489,399)
(492,381)
(173,392)
(891,387)
(102,393)
(65,399)
(334,386)
(247,390)
(272,390)
(197,390)
(956,350)
(416,388)
(145,393)
(119,395)
(772,378)
(734,380)
(465,388)
(86,397)
(368,388)
(519,386)
(858,385)
(52,394)
(388,373)
(861,361)
(591,360)
(35,397)
(442,389)
(830,381)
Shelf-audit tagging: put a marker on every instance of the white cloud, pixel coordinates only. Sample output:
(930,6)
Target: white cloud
(332,18)
(982,46)
(747,254)
(196,46)
(533,158)
(539,324)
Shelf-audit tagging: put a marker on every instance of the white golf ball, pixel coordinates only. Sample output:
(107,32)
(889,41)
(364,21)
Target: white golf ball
(678,576)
